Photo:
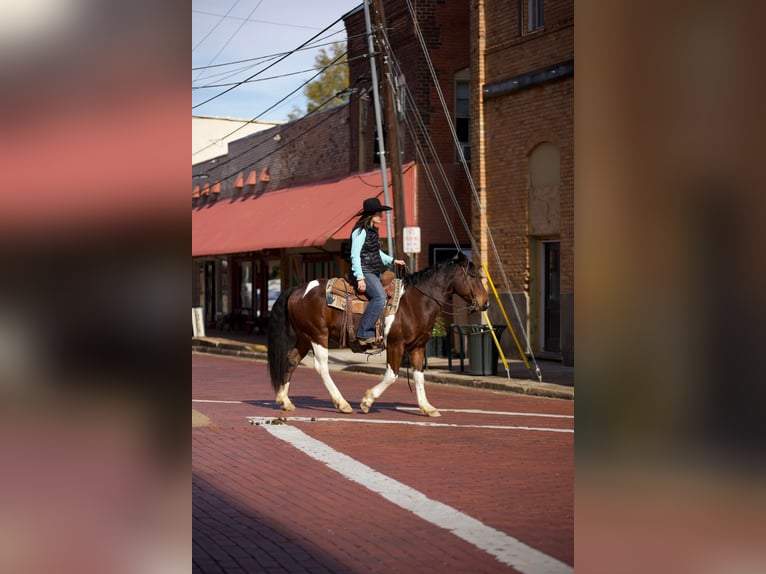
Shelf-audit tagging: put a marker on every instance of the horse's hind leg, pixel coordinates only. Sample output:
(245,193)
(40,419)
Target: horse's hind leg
(321,356)
(294,358)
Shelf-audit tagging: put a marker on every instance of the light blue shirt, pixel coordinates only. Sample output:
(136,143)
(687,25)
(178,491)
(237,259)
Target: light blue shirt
(357,240)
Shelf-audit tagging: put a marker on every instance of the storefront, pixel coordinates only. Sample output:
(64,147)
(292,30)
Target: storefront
(245,252)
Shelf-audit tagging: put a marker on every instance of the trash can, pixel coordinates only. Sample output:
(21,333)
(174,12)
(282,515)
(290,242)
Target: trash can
(482,352)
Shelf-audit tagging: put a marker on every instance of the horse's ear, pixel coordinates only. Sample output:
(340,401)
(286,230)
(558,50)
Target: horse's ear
(461,258)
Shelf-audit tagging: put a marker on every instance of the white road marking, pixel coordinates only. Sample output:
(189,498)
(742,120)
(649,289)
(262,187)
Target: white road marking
(221,402)
(503,547)
(266,420)
(481,412)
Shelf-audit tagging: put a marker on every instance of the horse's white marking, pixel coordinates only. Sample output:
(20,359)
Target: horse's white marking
(283,397)
(321,356)
(266,420)
(387,325)
(481,412)
(503,547)
(309,287)
(420,393)
(388,380)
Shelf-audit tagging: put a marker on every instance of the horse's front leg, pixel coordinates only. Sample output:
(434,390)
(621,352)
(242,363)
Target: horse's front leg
(393,360)
(417,360)
(321,356)
(373,394)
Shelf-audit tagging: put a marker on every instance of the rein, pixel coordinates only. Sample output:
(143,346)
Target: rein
(439,303)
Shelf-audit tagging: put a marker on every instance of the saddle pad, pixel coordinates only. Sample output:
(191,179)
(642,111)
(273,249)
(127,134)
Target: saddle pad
(338,292)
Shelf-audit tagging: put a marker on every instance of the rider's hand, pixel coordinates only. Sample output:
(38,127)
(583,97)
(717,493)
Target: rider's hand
(361,285)
(399,262)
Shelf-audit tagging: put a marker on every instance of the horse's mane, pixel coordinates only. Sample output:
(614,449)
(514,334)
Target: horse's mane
(428,273)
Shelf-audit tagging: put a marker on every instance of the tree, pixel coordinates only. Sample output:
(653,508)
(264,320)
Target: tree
(321,93)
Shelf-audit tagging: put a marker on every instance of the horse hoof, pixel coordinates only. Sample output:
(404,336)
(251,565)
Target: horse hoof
(344,407)
(288,407)
(366,402)
(431,413)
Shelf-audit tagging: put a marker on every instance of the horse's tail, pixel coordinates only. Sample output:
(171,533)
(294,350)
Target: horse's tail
(279,323)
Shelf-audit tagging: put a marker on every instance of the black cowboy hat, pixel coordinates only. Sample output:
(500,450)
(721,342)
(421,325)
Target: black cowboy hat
(372,205)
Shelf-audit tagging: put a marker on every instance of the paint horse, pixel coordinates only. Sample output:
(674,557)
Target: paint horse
(304,308)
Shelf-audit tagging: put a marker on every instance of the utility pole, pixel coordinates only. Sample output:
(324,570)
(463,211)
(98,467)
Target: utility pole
(392,129)
(378,121)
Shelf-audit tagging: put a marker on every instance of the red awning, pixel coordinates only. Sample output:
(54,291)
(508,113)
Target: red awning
(300,216)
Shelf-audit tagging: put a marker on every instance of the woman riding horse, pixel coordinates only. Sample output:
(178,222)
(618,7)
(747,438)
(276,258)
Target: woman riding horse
(367,261)
(305,309)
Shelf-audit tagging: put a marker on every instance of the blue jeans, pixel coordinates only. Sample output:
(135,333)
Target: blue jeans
(377,297)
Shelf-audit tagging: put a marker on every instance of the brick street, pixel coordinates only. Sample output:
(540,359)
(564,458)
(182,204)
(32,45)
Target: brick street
(260,505)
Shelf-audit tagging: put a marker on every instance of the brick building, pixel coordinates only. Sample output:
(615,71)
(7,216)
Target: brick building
(522,109)
(507,81)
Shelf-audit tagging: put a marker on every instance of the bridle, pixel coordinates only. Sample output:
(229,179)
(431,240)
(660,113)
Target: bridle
(474,304)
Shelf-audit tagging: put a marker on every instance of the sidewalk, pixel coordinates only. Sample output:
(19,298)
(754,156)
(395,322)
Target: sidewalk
(557,379)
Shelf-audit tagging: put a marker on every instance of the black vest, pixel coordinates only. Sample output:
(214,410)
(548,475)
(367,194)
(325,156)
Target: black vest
(370,256)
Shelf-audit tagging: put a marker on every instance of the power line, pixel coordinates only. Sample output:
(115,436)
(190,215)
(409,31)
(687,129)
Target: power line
(231,37)
(280,75)
(254,21)
(227,90)
(274,105)
(330,114)
(270,56)
(213,29)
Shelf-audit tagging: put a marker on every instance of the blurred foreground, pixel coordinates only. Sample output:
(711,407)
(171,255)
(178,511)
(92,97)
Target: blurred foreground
(94,241)
(670,304)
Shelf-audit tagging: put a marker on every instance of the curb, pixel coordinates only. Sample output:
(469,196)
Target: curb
(259,353)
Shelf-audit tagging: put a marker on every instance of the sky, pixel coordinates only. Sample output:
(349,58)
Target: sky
(227,31)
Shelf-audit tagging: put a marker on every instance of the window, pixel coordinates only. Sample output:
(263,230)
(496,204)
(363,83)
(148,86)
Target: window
(463,113)
(534,15)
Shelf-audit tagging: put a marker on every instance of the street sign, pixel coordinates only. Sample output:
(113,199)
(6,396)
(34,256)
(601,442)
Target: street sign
(411,239)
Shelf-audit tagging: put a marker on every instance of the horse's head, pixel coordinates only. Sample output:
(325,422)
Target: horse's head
(469,285)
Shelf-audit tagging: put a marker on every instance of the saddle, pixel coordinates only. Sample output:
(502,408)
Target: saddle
(341,294)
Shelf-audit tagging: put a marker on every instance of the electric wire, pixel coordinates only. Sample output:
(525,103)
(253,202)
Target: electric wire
(230,88)
(232,36)
(213,29)
(288,74)
(320,71)
(330,113)
(254,21)
(225,74)
(271,56)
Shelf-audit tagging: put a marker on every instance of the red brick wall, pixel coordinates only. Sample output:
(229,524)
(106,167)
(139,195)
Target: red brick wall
(515,123)
(313,148)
